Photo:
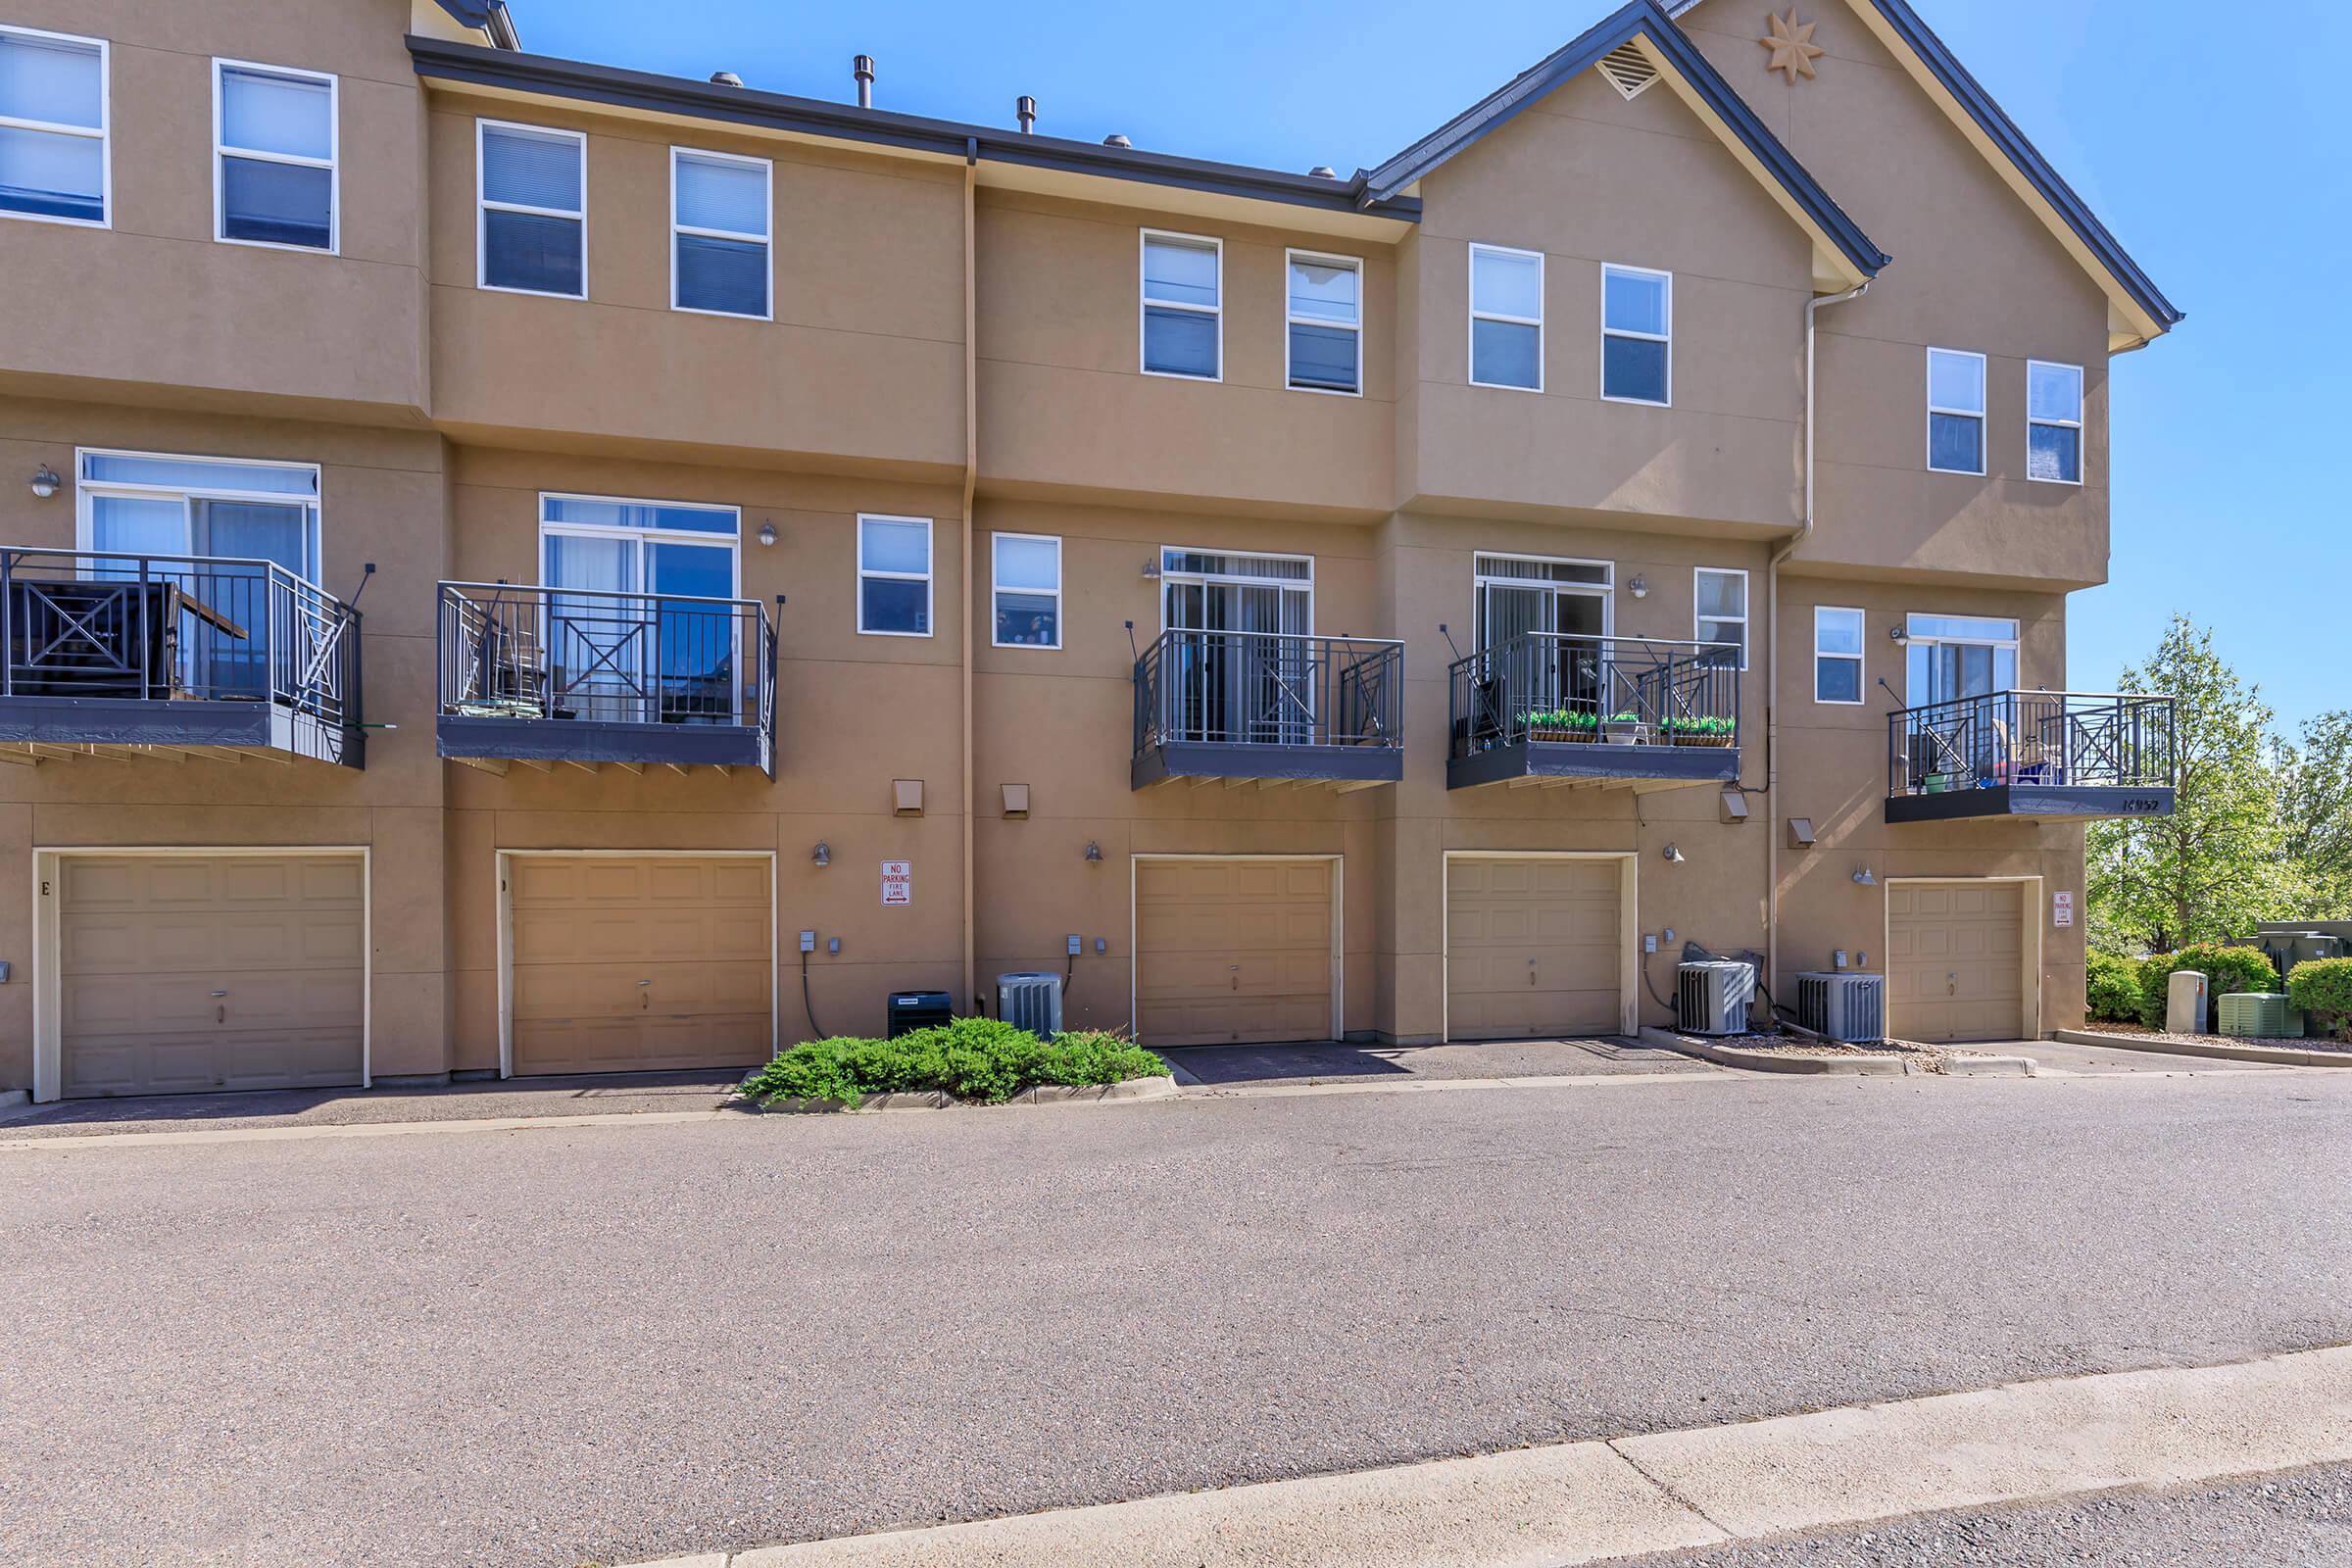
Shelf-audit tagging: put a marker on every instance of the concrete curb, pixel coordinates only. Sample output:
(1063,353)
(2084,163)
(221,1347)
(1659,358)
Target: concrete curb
(1160,1087)
(2277,1055)
(1569,1503)
(1850,1066)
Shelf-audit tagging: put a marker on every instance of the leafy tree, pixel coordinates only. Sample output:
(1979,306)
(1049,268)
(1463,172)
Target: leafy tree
(2315,808)
(2220,862)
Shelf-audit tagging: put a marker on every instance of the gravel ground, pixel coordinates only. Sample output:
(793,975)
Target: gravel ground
(610,1343)
(2126,1032)
(1929,1057)
(2302,1520)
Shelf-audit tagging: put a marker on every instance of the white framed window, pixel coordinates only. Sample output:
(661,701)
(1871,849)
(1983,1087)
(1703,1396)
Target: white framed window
(274,149)
(644,624)
(718,217)
(1183,306)
(1515,596)
(1507,318)
(1956,410)
(1026,583)
(56,158)
(1946,657)
(171,507)
(1323,319)
(1837,656)
(1636,334)
(2053,422)
(894,577)
(533,185)
(1719,606)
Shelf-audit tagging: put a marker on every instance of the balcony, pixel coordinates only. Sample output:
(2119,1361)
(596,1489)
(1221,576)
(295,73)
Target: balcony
(1553,710)
(541,676)
(2053,755)
(120,655)
(1273,707)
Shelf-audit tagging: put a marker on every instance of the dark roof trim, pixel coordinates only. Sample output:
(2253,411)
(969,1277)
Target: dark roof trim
(813,117)
(491,16)
(1641,17)
(1996,123)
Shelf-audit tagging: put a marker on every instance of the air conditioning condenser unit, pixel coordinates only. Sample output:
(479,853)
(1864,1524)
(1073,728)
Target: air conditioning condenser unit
(1031,1002)
(1843,1007)
(1713,996)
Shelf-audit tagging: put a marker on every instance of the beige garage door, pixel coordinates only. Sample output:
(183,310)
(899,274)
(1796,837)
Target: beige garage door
(1534,948)
(1955,960)
(184,973)
(631,964)
(1229,952)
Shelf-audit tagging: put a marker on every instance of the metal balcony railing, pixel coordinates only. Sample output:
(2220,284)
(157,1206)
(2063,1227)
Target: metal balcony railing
(1557,688)
(1269,689)
(597,658)
(2060,740)
(95,626)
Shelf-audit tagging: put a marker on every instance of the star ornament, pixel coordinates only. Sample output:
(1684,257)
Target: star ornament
(1794,50)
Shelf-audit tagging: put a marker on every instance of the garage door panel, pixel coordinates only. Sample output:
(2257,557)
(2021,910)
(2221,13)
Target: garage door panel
(1955,961)
(1534,948)
(1232,950)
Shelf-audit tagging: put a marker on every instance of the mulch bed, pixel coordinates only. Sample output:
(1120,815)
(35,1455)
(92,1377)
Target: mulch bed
(2129,1032)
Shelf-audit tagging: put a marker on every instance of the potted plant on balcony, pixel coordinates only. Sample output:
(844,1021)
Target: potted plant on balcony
(1624,729)
(1702,731)
(1561,724)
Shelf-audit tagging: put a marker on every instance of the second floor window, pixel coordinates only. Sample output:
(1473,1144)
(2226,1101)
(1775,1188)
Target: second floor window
(1837,656)
(1637,327)
(1325,319)
(1956,410)
(534,186)
(2054,423)
(1507,318)
(1720,613)
(894,577)
(275,142)
(53,153)
(1183,306)
(1028,590)
(719,217)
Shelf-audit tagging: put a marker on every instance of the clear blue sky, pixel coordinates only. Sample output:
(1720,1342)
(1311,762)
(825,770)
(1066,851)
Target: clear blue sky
(2222,507)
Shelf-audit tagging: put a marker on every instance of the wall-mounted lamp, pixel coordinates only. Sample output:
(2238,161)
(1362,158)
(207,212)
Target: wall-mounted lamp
(822,855)
(1898,634)
(768,533)
(1863,878)
(1152,570)
(1094,851)
(1639,585)
(45,481)
(1674,854)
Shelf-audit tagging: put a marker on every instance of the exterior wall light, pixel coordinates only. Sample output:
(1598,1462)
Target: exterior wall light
(1898,633)
(1152,571)
(45,481)
(1674,854)
(1094,851)
(822,855)
(1639,585)
(768,533)
(1863,878)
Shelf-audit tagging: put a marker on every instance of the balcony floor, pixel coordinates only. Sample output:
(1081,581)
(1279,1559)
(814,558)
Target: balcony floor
(2049,803)
(1594,764)
(492,742)
(1347,766)
(46,727)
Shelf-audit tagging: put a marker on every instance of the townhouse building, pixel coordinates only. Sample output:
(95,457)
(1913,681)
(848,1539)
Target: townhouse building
(514,565)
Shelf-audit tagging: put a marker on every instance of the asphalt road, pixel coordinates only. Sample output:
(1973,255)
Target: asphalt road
(2301,1520)
(609,1343)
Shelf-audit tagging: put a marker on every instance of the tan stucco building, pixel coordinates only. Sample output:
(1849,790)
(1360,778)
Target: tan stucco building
(1404,606)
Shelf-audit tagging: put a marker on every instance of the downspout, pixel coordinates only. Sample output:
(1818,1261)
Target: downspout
(1771,659)
(971,479)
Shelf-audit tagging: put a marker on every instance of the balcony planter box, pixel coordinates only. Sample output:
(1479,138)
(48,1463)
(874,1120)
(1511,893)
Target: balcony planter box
(1692,736)
(1563,728)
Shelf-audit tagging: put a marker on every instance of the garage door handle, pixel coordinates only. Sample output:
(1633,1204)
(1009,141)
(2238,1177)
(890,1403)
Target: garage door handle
(221,1013)
(219,993)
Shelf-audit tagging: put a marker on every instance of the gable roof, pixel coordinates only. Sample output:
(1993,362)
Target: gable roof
(1904,33)
(1645,23)
(486,16)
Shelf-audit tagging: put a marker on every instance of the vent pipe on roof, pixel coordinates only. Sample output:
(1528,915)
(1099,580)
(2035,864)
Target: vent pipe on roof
(725,78)
(862,68)
(1114,139)
(1322,171)
(1024,109)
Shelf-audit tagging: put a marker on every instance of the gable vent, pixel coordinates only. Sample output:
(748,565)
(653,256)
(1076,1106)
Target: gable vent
(1628,68)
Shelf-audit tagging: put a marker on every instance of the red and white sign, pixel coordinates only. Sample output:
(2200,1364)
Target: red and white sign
(2062,909)
(898,882)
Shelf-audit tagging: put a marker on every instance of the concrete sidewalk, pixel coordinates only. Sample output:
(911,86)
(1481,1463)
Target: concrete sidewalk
(1580,1502)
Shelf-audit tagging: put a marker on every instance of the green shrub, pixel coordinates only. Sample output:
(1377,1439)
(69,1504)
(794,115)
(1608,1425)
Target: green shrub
(2321,988)
(2226,969)
(2111,993)
(983,1060)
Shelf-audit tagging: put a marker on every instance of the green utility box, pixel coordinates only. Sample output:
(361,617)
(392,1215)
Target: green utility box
(2260,1015)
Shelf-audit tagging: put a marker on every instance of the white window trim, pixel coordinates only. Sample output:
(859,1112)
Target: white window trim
(104,134)
(683,536)
(483,206)
(1470,329)
(332,163)
(1143,301)
(767,180)
(2082,446)
(1743,617)
(1858,657)
(1666,337)
(1354,264)
(996,586)
(1286,584)
(1925,639)
(925,577)
(85,522)
(1605,590)
(1982,416)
